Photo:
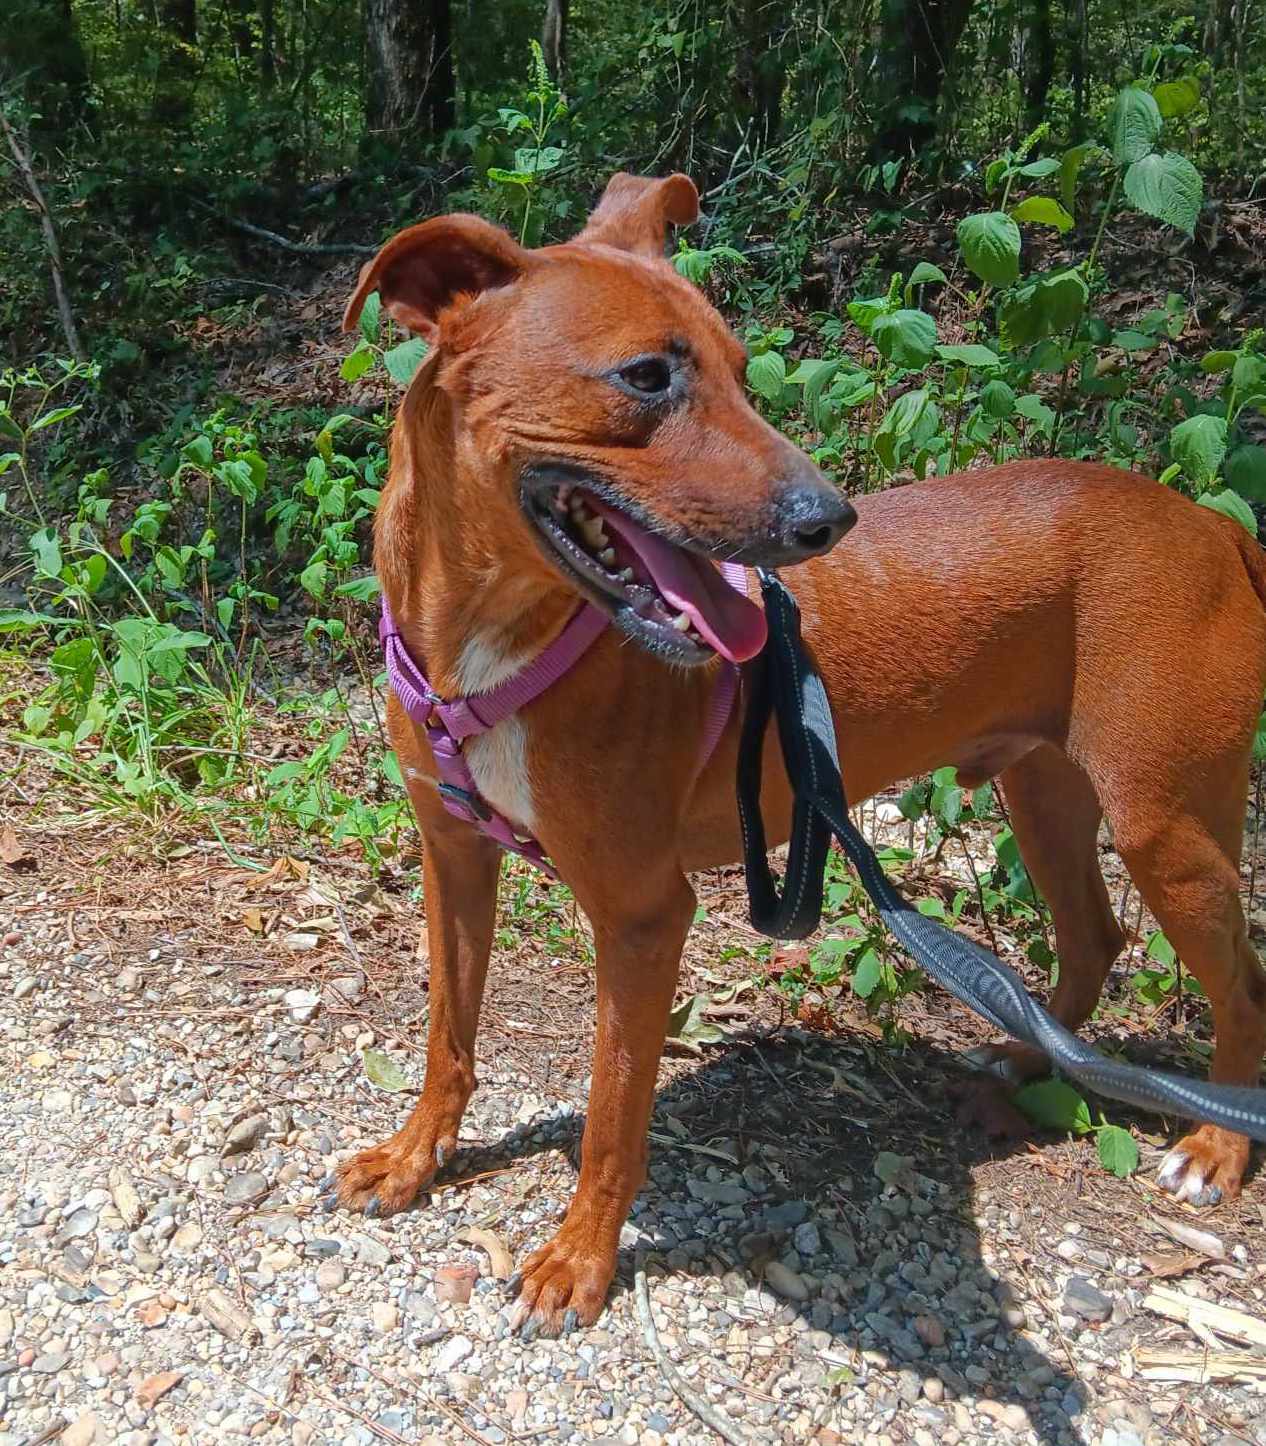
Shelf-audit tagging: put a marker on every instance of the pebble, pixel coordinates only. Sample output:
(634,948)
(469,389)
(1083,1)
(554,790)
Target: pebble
(330,1275)
(453,1353)
(82,1431)
(245,1134)
(1084,1300)
(455,1283)
(246,1188)
(787,1283)
(385,1317)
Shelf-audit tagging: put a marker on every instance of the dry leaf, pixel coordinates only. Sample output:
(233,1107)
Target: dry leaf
(254,920)
(1171,1264)
(14,853)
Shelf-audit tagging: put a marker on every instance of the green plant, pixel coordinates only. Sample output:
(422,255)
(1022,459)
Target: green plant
(1055,1105)
(537,156)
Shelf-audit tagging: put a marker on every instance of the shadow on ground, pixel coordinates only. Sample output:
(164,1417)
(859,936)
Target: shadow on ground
(791,1183)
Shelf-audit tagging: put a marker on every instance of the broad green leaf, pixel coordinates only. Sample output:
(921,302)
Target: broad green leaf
(356,363)
(509,178)
(403,360)
(363,589)
(1118,1153)
(1042,307)
(537,160)
(868,975)
(1041,168)
(864,311)
(1055,1106)
(808,369)
(1217,361)
(1134,125)
(1044,211)
(997,399)
(990,243)
(1070,165)
(1231,504)
(766,374)
(1245,470)
(198,450)
(924,273)
(48,552)
(1036,411)
(381,1070)
(1133,341)
(1248,373)
(1177,97)
(50,419)
(906,338)
(970,354)
(18,620)
(370,319)
(1198,445)
(686,1023)
(313,578)
(1160,949)
(1167,186)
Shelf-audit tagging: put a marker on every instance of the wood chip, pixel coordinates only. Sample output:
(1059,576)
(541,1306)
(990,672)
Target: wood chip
(126,1201)
(1172,1263)
(228,1317)
(500,1260)
(1202,1240)
(1203,1315)
(1160,1364)
(153,1388)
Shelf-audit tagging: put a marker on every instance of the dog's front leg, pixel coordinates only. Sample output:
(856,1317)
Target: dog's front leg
(639,946)
(459,877)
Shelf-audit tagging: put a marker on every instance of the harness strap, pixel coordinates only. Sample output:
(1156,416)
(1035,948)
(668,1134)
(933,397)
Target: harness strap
(448,722)
(783,680)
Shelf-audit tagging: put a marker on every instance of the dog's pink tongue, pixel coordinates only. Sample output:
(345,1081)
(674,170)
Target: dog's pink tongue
(727,619)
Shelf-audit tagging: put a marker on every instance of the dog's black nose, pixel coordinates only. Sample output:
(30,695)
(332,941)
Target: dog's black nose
(809,519)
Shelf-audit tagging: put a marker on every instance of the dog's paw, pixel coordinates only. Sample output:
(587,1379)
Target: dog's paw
(561,1287)
(1012,1063)
(985,1106)
(1205,1167)
(388,1178)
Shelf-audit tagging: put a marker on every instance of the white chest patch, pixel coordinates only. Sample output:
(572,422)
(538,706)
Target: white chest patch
(498,758)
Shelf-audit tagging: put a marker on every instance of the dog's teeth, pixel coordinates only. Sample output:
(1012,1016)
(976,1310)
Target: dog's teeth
(578,508)
(592,531)
(682,622)
(627,575)
(607,556)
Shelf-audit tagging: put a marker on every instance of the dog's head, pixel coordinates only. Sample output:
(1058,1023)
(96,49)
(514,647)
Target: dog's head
(602,411)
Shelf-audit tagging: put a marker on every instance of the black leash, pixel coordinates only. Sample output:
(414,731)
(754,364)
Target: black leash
(783,680)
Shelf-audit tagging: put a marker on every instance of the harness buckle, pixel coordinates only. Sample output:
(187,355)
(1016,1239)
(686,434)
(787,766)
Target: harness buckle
(464,798)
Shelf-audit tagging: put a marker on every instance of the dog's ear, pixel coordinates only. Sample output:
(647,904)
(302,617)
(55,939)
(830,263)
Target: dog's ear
(424,269)
(635,212)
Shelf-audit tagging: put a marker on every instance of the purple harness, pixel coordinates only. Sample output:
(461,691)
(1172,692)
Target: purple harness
(447,723)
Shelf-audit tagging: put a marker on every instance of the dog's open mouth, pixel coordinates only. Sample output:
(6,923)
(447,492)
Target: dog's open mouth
(671,600)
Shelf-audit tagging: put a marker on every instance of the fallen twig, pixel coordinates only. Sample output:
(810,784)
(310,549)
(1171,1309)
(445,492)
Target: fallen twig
(710,1415)
(299,248)
(1238,1325)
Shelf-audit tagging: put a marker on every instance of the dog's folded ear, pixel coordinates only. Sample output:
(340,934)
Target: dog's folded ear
(635,212)
(424,269)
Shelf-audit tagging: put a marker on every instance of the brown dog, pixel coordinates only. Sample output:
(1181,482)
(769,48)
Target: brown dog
(1093,640)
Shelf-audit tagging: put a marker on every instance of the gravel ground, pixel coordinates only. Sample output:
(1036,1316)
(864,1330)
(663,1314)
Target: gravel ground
(827,1257)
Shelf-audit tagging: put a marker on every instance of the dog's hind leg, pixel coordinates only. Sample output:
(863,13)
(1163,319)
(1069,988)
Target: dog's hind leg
(1056,817)
(1182,850)
(459,878)
(639,934)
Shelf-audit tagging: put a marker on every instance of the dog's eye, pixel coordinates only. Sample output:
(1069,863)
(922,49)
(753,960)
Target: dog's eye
(649,376)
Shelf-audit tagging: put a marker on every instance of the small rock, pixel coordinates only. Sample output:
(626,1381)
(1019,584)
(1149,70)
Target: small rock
(82,1222)
(344,989)
(455,1283)
(245,1134)
(790,1213)
(1084,1300)
(24,988)
(806,1239)
(153,1388)
(246,1188)
(786,1283)
(82,1431)
(330,1275)
(49,1363)
(370,1251)
(128,980)
(934,1389)
(1069,1250)
(453,1353)
(929,1330)
(384,1316)
(151,1315)
(187,1238)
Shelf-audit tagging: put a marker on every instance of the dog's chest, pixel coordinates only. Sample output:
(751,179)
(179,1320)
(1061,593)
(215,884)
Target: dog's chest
(498,758)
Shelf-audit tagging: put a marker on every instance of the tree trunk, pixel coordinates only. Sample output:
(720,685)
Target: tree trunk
(267,44)
(41,58)
(918,41)
(1080,67)
(759,75)
(1039,61)
(554,38)
(173,91)
(410,91)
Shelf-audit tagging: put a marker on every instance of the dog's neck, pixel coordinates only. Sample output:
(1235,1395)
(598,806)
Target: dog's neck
(465,606)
